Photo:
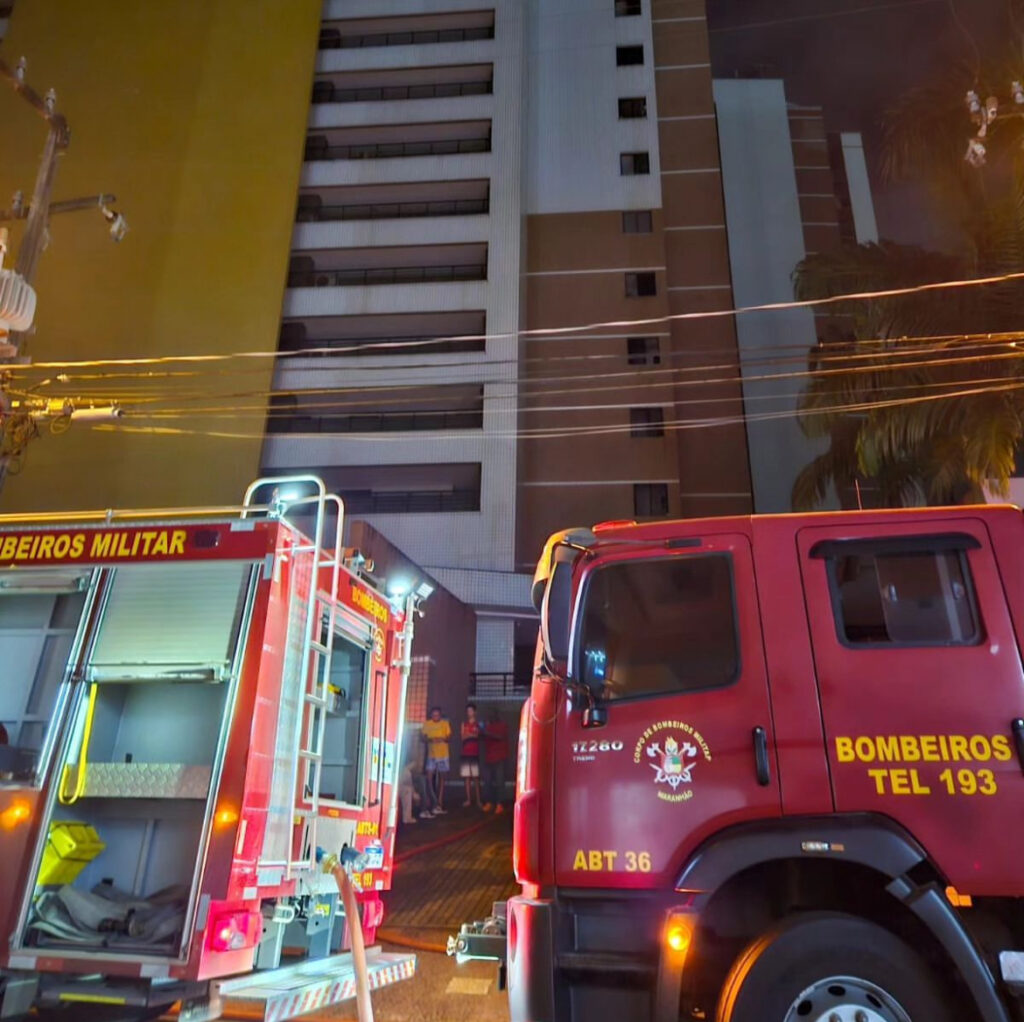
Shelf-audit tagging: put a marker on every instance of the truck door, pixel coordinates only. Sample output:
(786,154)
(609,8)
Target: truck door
(672,639)
(919,677)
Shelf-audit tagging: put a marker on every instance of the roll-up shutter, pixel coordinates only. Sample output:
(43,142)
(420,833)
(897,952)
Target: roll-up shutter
(168,620)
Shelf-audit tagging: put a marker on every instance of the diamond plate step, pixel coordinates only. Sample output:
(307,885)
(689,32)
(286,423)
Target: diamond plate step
(297,989)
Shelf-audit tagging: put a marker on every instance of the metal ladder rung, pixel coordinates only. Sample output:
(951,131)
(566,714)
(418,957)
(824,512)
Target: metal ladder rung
(311,755)
(322,649)
(316,701)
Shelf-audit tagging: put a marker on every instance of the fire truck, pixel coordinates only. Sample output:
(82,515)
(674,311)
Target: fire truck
(200,710)
(772,769)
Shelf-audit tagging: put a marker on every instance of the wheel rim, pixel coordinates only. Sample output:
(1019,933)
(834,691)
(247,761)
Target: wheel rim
(845,999)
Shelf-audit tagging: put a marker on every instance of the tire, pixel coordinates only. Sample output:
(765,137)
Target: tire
(814,966)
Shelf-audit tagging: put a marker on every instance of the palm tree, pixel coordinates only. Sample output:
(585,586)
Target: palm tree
(879,397)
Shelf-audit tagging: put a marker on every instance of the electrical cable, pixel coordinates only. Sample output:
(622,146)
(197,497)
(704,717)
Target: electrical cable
(551,332)
(564,432)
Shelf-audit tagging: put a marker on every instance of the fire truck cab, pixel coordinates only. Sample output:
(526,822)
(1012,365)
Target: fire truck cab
(198,709)
(771,770)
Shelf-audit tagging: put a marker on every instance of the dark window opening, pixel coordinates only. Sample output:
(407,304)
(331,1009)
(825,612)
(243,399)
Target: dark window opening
(626,56)
(641,285)
(627,8)
(643,351)
(650,500)
(646,422)
(637,221)
(912,598)
(633,107)
(661,626)
(634,163)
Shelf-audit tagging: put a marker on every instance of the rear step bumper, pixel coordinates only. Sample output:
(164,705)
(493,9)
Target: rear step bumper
(297,989)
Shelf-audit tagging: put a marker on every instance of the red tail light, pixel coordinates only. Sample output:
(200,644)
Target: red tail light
(526,839)
(233,931)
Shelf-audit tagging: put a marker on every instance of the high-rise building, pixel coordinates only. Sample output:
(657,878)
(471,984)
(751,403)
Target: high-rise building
(509,224)
(476,182)
(791,191)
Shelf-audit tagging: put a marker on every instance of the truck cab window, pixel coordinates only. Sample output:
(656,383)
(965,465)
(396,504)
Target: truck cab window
(912,598)
(659,626)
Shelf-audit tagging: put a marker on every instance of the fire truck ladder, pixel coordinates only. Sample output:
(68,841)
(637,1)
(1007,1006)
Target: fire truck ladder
(318,622)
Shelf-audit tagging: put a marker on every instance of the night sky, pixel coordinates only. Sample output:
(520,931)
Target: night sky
(853,63)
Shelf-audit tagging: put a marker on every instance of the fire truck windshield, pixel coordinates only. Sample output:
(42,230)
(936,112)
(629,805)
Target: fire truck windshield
(662,625)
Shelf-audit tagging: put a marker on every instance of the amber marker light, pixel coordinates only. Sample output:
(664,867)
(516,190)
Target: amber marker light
(226,816)
(678,932)
(14,814)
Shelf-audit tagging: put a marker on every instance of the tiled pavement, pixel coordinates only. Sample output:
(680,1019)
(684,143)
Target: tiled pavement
(437,888)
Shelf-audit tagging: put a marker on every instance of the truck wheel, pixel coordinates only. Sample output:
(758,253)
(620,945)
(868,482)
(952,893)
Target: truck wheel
(830,968)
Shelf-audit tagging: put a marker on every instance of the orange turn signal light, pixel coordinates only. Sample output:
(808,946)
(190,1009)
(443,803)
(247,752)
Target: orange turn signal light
(958,900)
(15,813)
(679,932)
(225,817)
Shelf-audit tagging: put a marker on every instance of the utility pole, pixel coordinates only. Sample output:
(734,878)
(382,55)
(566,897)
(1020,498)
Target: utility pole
(18,421)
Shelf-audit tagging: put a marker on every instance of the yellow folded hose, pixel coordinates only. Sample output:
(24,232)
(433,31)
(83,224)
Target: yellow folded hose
(83,757)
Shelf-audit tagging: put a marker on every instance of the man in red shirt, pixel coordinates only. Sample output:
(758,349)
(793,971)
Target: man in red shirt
(494,734)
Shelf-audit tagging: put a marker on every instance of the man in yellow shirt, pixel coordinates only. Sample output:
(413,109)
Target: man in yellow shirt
(436,731)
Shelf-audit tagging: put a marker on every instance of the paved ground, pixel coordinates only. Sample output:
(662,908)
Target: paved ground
(449,871)
(438,888)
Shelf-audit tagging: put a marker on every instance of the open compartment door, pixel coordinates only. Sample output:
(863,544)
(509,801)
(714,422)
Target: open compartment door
(125,832)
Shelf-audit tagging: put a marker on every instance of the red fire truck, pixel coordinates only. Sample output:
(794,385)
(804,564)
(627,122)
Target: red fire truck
(197,708)
(771,771)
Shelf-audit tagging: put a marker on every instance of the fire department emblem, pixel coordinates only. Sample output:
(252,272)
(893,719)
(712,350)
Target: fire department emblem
(672,750)
(378,643)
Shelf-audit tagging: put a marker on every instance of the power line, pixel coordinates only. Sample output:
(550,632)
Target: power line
(547,332)
(677,425)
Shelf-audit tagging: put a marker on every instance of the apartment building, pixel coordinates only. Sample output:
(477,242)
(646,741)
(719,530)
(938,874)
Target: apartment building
(791,190)
(480,181)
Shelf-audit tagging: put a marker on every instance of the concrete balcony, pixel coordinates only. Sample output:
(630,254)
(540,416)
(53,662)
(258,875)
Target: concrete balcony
(401,111)
(401,57)
(384,300)
(328,173)
(373,233)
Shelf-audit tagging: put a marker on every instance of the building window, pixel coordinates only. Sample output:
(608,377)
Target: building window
(627,8)
(650,500)
(645,422)
(912,592)
(637,221)
(660,626)
(634,163)
(627,56)
(632,107)
(643,351)
(641,285)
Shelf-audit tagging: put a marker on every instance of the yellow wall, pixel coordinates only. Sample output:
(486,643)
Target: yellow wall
(193,113)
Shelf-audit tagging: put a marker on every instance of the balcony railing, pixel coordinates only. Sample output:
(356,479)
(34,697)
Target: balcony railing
(318,148)
(385,422)
(408,346)
(332,39)
(386,275)
(411,502)
(499,686)
(310,212)
(328,92)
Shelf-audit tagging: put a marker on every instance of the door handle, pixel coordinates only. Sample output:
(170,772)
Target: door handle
(764,776)
(1017,730)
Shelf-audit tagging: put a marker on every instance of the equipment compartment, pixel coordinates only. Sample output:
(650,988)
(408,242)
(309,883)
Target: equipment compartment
(149,716)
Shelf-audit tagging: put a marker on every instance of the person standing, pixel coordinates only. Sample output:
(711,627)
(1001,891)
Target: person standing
(469,765)
(436,732)
(494,736)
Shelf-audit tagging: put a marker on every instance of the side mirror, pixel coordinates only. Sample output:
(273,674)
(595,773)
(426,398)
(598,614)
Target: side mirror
(556,608)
